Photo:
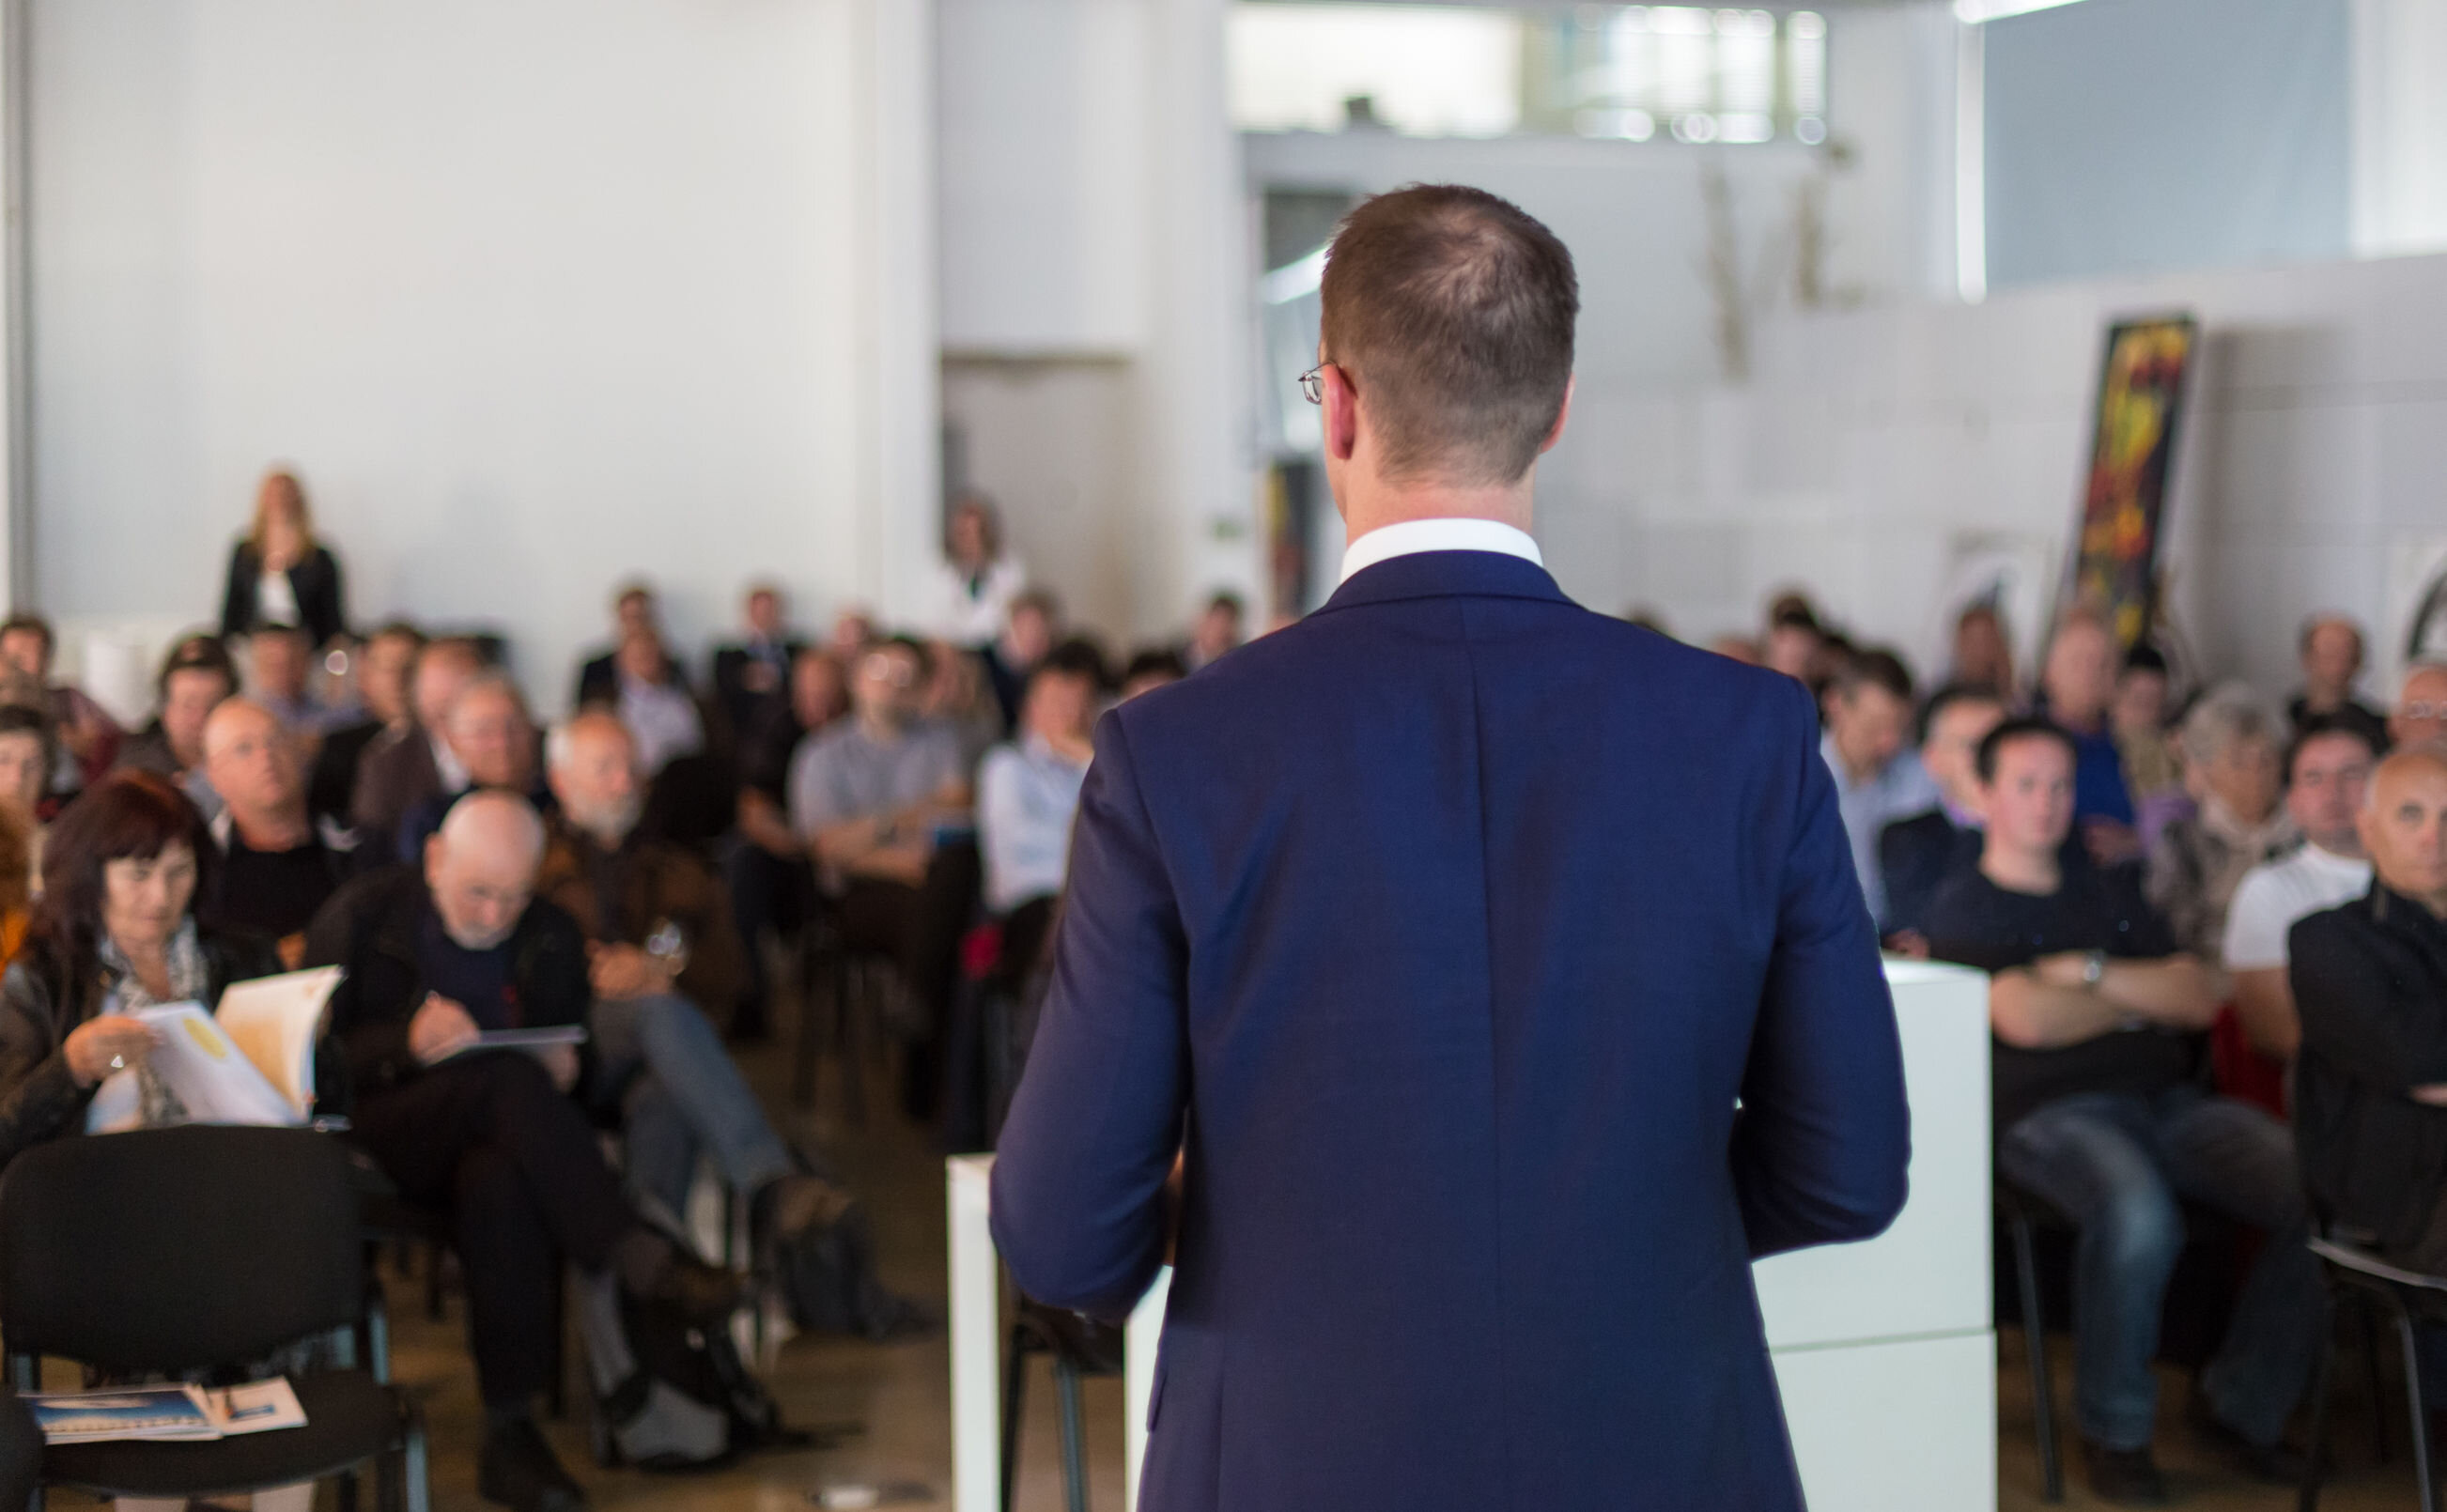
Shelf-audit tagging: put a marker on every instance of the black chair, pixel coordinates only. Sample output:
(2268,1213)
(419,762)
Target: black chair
(850,977)
(2021,1213)
(1081,1346)
(169,1252)
(2349,1265)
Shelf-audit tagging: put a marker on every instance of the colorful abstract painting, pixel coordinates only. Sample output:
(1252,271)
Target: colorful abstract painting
(2133,452)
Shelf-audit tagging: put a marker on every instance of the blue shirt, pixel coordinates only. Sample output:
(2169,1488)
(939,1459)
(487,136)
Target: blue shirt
(1899,790)
(1027,796)
(2099,790)
(478,981)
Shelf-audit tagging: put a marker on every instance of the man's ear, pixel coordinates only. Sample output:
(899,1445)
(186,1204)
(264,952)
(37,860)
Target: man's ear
(1563,413)
(1341,414)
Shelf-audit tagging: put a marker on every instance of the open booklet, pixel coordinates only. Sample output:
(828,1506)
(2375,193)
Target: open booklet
(252,1060)
(166,1412)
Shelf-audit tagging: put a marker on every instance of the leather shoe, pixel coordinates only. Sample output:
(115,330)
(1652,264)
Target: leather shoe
(515,1469)
(700,1293)
(2124,1477)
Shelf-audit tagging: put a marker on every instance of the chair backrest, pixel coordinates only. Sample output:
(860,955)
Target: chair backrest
(176,1249)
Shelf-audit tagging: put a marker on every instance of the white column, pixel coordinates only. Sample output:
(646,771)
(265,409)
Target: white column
(2400,128)
(977,1337)
(897,513)
(16,443)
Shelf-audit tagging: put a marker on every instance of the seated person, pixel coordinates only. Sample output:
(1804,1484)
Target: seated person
(879,799)
(751,676)
(113,933)
(2100,1112)
(2154,769)
(195,676)
(492,744)
(1868,713)
(655,702)
(1149,670)
(634,613)
(1028,793)
(766,866)
(2326,774)
(1915,854)
(26,757)
(1222,625)
(280,677)
(2371,1083)
(2077,689)
(88,737)
(380,669)
(955,694)
(678,1091)
(1028,628)
(2331,655)
(277,864)
(411,762)
(2232,751)
(436,955)
(2420,711)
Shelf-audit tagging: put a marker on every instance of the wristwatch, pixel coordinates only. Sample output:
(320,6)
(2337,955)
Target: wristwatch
(2093,970)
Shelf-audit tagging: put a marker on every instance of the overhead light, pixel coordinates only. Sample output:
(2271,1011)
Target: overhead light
(1972,13)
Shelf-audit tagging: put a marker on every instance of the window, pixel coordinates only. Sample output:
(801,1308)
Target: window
(1688,74)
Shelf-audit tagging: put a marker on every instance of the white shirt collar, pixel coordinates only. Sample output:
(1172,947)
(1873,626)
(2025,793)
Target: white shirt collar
(1404,537)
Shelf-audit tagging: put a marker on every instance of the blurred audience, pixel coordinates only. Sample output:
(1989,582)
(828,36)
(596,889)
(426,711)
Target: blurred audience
(492,744)
(1915,854)
(2327,772)
(1222,625)
(635,613)
(1982,656)
(195,677)
(2331,651)
(1028,632)
(1878,778)
(2234,747)
(1150,670)
(655,702)
(1028,792)
(2077,690)
(88,737)
(276,863)
(26,762)
(279,574)
(2153,771)
(380,670)
(279,677)
(411,762)
(2420,706)
(751,676)
(1795,640)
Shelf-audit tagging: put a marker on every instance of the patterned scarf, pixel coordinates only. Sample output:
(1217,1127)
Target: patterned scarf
(188,982)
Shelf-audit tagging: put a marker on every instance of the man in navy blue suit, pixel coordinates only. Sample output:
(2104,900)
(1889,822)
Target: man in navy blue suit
(1439,935)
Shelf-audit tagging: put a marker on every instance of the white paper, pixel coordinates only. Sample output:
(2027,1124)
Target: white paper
(275,1020)
(209,1074)
(258,1407)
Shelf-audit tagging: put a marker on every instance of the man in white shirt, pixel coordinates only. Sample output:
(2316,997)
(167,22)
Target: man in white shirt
(2326,773)
(1877,780)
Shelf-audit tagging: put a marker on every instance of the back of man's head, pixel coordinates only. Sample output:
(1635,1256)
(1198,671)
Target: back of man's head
(1451,312)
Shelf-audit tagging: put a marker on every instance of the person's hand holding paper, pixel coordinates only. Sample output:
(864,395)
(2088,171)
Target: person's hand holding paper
(107,1042)
(440,1029)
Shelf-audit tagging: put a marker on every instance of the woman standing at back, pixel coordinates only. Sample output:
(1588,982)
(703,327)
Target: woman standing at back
(279,575)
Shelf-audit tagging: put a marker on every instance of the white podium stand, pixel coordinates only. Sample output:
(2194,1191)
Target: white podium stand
(1884,1351)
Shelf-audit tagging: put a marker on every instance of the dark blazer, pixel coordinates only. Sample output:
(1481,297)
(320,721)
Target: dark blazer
(40,1004)
(745,707)
(321,600)
(2370,982)
(1445,928)
(1914,854)
(370,927)
(395,775)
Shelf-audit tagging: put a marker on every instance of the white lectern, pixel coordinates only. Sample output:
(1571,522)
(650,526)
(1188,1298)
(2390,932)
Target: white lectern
(1886,1351)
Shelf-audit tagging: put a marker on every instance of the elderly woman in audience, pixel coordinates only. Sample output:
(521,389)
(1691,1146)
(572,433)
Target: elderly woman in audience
(85,729)
(113,933)
(195,676)
(2232,744)
(280,574)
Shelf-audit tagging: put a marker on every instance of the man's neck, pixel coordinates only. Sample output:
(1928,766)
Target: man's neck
(2091,723)
(273,829)
(2325,700)
(1372,504)
(1858,768)
(2017,870)
(881,728)
(2347,849)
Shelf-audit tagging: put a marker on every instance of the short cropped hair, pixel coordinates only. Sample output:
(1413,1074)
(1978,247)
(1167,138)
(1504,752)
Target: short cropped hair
(1874,667)
(2026,726)
(1948,697)
(1451,312)
(2321,726)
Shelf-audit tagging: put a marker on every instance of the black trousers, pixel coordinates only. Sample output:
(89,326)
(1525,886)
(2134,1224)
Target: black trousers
(767,891)
(919,928)
(489,1140)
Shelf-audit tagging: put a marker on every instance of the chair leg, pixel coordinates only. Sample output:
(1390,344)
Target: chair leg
(2035,1346)
(2416,1409)
(1075,1450)
(2370,1311)
(1014,1393)
(2316,1447)
(849,1035)
(412,1466)
(804,1054)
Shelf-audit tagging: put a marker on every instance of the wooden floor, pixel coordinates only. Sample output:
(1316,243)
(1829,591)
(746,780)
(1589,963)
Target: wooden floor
(901,1392)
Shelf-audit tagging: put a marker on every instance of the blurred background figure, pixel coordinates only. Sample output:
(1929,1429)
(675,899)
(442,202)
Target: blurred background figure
(971,594)
(88,737)
(1983,655)
(279,574)
(2331,650)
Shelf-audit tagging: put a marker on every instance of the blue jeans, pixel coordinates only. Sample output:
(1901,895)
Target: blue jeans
(684,1096)
(2118,1164)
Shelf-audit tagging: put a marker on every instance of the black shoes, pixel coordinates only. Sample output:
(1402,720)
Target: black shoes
(700,1293)
(2124,1477)
(515,1469)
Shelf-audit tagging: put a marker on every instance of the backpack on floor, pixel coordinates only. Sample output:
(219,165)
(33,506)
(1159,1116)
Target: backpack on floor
(668,1395)
(826,1277)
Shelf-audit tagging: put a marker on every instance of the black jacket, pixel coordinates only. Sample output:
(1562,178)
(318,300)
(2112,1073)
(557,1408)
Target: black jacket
(1916,854)
(2370,982)
(370,926)
(39,1099)
(315,581)
(747,708)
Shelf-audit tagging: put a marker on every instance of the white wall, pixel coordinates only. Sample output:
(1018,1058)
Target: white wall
(535,295)
(1878,451)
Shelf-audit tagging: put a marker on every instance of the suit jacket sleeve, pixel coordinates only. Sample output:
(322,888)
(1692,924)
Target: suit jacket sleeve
(237,593)
(2356,1015)
(1079,1208)
(1821,1148)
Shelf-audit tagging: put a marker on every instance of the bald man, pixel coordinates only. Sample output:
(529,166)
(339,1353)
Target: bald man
(437,955)
(2420,706)
(2370,983)
(279,864)
(409,764)
(491,741)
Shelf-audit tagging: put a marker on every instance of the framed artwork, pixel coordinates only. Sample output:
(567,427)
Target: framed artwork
(2114,568)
